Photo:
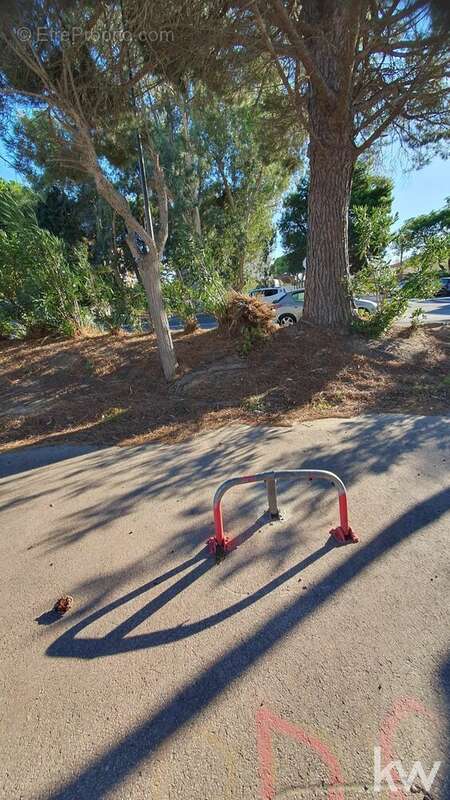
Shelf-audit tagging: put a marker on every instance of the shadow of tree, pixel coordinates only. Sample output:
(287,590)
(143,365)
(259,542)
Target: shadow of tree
(138,476)
(113,766)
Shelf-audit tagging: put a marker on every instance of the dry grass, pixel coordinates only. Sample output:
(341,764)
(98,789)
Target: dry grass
(244,314)
(110,390)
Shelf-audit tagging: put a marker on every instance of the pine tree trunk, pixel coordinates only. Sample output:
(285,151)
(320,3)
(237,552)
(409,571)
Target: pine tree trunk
(149,269)
(148,265)
(241,272)
(332,156)
(327,298)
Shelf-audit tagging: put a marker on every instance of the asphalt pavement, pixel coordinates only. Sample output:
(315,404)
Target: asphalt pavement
(435,310)
(275,674)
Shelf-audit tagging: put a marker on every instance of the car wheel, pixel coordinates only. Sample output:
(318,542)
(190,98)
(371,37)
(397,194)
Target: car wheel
(286,319)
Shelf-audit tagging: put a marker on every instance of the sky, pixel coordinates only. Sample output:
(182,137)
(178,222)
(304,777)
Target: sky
(5,171)
(421,191)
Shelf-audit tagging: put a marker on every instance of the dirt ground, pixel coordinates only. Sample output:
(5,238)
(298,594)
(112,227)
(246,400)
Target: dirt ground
(110,390)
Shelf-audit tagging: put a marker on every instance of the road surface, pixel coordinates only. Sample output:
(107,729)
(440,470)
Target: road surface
(435,310)
(275,674)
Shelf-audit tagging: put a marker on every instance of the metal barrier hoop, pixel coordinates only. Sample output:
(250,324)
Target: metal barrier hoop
(219,544)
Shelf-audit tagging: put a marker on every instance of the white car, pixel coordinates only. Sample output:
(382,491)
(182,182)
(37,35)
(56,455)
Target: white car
(268,294)
(289,308)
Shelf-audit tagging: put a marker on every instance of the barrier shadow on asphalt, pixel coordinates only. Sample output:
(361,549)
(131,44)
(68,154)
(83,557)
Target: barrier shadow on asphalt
(70,645)
(111,768)
(139,475)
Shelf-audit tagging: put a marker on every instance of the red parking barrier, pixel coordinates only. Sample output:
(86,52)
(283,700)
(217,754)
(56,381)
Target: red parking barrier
(220,543)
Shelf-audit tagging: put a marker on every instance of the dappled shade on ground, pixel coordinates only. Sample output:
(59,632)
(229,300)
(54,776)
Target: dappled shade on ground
(109,389)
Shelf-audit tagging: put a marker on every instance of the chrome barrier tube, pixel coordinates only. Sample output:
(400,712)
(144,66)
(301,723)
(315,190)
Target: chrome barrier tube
(220,543)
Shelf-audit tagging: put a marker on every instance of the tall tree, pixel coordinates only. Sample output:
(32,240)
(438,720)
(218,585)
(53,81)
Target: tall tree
(60,214)
(415,231)
(69,205)
(356,73)
(369,191)
(251,160)
(227,160)
(84,82)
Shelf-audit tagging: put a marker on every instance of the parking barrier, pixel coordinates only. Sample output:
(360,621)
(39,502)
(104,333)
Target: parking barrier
(220,543)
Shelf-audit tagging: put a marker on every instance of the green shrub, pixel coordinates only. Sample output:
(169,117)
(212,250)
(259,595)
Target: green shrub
(43,284)
(417,318)
(9,327)
(380,278)
(381,320)
(191,282)
(250,338)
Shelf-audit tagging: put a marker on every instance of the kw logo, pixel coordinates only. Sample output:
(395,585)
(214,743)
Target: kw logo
(389,773)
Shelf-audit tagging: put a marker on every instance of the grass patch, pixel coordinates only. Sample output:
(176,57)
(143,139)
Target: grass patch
(321,403)
(255,404)
(112,413)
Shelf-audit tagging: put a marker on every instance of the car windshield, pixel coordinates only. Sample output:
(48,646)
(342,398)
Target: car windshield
(297,297)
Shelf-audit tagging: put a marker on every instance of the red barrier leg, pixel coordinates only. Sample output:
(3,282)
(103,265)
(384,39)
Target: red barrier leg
(343,534)
(219,543)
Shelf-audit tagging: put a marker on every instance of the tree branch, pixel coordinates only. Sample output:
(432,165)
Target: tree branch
(398,106)
(303,53)
(292,94)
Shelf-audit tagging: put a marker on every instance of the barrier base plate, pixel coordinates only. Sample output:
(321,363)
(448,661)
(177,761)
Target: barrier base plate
(342,537)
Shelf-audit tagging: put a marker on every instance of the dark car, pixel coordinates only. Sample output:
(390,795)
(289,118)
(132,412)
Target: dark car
(444,291)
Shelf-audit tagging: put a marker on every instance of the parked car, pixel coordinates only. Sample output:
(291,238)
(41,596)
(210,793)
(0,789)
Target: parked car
(289,309)
(444,291)
(268,294)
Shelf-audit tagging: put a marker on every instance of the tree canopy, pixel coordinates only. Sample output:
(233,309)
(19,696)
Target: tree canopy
(215,113)
(415,231)
(356,74)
